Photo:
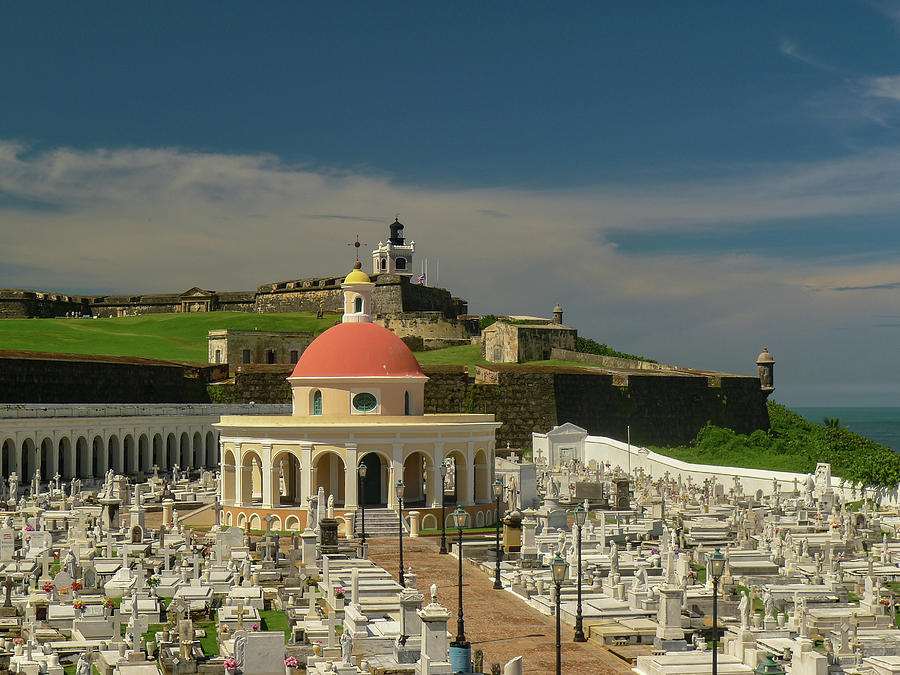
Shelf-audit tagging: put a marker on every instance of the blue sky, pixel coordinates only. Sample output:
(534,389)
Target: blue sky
(690,180)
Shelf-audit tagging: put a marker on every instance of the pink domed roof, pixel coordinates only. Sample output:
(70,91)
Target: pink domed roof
(357,350)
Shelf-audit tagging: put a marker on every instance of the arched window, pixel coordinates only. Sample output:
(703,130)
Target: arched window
(401,263)
(358,305)
(383,264)
(407,407)
(317,403)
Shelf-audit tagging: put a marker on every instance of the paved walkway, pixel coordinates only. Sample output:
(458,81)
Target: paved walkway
(496,622)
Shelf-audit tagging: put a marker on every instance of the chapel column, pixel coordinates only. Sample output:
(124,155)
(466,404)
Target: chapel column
(268,497)
(394,474)
(238,475)
(437,486)
(351,477)
(470,475)
(305,473)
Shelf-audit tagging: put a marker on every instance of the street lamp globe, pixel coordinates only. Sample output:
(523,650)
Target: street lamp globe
(401,489)
(459,518)
(498,488)
(362,470)
(716,563)
(443,470)
(580,514)
(558,569)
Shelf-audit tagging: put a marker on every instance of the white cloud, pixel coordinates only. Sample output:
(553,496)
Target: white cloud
(165,220)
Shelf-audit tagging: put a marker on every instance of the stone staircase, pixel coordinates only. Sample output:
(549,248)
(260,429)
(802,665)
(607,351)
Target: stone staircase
(380,522)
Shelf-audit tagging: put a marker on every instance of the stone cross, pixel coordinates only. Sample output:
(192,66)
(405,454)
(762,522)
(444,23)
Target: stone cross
(196,560)
(56,480)
(332,622)
(311,594)
(217,510)
(156,472)
(166,551)
(240,615)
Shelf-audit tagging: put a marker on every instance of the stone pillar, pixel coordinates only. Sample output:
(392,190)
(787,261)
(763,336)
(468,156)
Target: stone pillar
(413,523)
(395,474)
(328,536)
(308,548)
(435,477)
(266,470)
(167,507)
(669,618)
(351,477)
(305,473)
(238,475)
(434,658)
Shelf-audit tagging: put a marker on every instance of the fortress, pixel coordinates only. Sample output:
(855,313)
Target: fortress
(395,293)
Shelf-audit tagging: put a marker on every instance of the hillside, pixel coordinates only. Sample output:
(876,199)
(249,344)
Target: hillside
(794,444)
(175,337)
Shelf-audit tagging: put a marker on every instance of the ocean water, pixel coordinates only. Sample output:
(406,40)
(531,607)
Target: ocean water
(879,424)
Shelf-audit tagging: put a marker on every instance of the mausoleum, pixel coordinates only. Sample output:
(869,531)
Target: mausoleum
(357,394)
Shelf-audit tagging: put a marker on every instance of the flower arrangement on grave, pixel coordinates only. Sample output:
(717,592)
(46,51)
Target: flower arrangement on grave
(230,663)
(18,641)
(153,582)
(109,603)
(78,604)
(77,585)
(64,590)
(885,601)
(48,586)
(255,626)
(339,592)
(29,528)
(291,662)
(224,629)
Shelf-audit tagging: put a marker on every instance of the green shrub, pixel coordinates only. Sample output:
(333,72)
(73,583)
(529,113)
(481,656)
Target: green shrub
(588,346)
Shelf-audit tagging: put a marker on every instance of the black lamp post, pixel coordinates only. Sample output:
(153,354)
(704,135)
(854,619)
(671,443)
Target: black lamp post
(443,550)
(580,514)
(558,568)
(498,492)
(400,487)
(460,649)
(716,568)
(361,470)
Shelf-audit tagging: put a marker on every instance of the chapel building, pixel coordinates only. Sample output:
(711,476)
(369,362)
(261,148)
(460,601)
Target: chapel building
(358,399)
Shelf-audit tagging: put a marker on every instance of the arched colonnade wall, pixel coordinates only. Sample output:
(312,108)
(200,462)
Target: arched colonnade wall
(272,474)
(89,447)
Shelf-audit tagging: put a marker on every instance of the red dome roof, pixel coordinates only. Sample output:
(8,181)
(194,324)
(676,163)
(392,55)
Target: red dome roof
(357,350)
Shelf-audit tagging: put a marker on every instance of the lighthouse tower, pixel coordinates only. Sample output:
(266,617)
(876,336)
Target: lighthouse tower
(395,256)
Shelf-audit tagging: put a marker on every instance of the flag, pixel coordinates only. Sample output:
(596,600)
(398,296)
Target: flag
(422,278)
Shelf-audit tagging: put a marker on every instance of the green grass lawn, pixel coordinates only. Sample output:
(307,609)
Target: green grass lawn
(467,355)
(274,620)
(175,337)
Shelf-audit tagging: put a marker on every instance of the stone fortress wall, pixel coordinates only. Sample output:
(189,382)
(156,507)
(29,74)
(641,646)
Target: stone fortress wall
(661,408)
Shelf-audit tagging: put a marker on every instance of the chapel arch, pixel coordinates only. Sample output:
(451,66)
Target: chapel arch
(47,459)
(328,473)
(94,466)
(171,451)
(417,467)
(113,454)
(287,473)
(159,453)
(251,477)
(185,443)
(130,455)
(9,457)
(212,450)
(457,478)
(29,456)
(199,454)
(64,464)
(373,490)
(145,459)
